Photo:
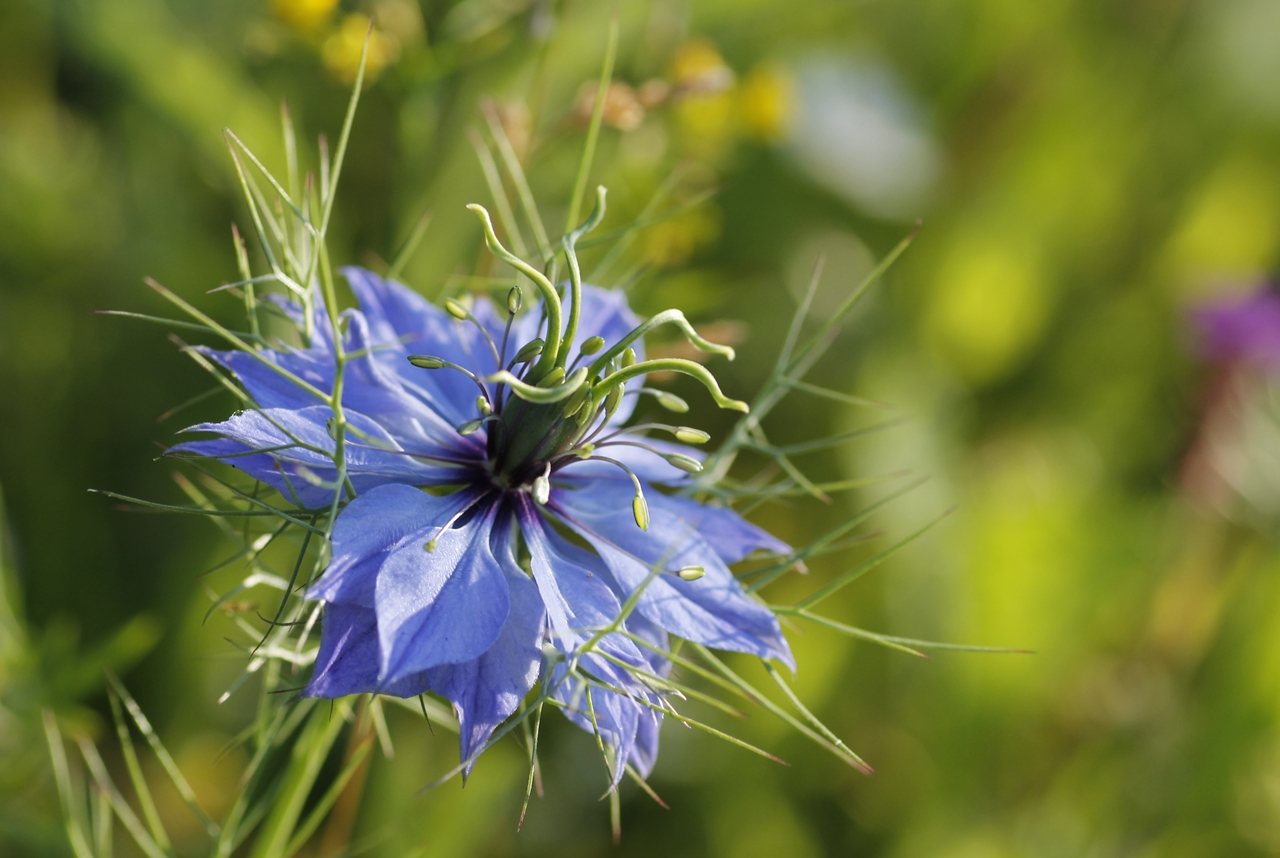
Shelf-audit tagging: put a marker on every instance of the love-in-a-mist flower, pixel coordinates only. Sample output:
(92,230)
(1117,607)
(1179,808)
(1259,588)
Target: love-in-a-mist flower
(500,526)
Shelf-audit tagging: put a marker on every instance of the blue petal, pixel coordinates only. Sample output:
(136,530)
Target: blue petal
(617,716)
(421,422)
(373,456)
(573,586)
(298,484)
(732,536)
(442,606)
(713,610)
(579,602)
(486,691)
(402,322)
(370,527)
(348,659)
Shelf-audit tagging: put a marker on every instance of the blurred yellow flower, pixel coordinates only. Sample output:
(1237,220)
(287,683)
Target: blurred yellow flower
(697,67)
(989,308)
(672,242)
(307,16)
(766,101)
(342,48)
(1230,232)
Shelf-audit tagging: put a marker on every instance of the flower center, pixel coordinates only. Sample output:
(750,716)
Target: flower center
(541,412)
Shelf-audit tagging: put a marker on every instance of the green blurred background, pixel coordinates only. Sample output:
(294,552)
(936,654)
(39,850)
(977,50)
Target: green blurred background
(1086,171)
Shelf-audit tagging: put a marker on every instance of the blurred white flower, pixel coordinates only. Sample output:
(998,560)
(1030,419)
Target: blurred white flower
(859,133)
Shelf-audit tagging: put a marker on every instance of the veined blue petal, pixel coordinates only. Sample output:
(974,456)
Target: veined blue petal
(486,691)
(348,659)
(402,322)
(579,601)
(440,606)
(373,525)
(713,610)
(373,456)
(732,536)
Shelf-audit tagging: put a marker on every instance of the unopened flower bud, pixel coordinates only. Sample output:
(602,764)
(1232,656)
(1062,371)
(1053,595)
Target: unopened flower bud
(482,404)
(456,309)
(426,361)
(628,358)
(692,573)
(691,436)
(515,300)
(592,345)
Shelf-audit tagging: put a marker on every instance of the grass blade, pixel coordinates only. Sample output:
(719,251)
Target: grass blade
(162,753)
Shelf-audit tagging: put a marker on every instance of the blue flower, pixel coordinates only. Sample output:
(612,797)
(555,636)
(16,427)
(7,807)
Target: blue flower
(496,516)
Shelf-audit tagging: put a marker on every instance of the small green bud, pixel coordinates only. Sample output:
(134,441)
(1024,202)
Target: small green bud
(692,573)
(585,451)
(529,351)
(470,427)
(640,509)
(628,358)
(515,300)
(552,378)
(691,436)
(671,402)
(592,345)
(426,361)
(456,309)
(684,463)
(482,404)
